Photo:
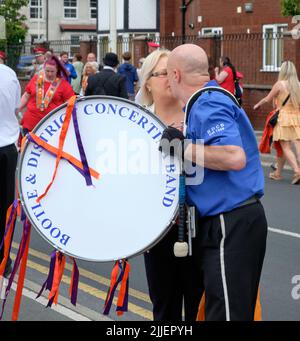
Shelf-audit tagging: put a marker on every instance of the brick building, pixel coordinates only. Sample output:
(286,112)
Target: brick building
(231,16)
(253,33)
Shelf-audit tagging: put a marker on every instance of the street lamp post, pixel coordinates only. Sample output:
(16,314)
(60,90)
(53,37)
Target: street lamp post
(184,8)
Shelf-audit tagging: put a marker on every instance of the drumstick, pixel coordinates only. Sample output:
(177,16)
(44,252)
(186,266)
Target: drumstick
(181,247)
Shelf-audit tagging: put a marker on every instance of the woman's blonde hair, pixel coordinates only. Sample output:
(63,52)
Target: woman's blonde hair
(288,73)
(89,64)
(148,66)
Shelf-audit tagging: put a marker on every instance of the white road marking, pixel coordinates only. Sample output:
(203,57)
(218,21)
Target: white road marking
(287,233)
(58,308)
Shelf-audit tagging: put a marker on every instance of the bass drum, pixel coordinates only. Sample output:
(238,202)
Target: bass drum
(132,204)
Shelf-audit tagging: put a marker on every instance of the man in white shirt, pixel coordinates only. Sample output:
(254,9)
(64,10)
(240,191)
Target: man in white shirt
(10,95)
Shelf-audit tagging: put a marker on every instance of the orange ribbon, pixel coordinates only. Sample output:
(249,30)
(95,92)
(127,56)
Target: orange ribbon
(58,273)
(18,297)
(123,288)
(8,238)
(62,138)
(68,157)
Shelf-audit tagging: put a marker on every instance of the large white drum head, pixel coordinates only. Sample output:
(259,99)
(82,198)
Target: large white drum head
(128,209)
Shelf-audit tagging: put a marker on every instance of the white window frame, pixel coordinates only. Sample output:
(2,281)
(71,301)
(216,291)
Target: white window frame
(91,9)
(74,43)
(274,67)
(71,7)
(39,8)
(214,31)
(35,38)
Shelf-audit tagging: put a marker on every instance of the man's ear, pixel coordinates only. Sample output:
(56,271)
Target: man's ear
(177,75)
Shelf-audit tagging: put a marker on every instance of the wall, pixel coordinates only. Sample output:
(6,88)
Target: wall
(220,13)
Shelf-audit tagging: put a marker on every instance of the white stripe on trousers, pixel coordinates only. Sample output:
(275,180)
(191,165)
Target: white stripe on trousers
(223,274)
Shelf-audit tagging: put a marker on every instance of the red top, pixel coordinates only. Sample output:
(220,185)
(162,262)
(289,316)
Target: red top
(33,115)
(228,83)
(264,146)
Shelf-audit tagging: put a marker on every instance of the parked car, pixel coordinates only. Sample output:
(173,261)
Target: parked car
(25,66)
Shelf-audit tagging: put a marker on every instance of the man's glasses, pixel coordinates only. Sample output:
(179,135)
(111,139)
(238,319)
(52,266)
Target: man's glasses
(162,73)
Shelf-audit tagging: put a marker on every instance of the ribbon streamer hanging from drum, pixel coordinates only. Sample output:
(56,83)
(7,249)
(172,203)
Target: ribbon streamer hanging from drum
(54,279)
(123,278)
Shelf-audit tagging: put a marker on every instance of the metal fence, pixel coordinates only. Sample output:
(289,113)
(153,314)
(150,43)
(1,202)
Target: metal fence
(258,56)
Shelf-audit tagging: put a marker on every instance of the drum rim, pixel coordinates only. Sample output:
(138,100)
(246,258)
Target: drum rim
(21,159)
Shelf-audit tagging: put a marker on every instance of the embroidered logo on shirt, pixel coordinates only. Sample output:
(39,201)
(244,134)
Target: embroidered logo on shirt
(217,129)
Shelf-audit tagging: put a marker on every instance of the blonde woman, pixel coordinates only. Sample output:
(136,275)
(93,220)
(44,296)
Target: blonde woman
(88,70)
(287,129)
(171,280)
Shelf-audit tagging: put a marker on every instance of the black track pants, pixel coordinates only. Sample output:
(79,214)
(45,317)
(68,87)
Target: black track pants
(232,249)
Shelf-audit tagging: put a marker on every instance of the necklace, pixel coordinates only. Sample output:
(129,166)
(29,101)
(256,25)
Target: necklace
(43,101)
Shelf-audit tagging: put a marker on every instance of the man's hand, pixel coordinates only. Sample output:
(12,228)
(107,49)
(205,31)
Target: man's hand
(171,142)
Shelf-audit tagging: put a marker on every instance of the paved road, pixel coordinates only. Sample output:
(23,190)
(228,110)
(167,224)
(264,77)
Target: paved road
(281,265)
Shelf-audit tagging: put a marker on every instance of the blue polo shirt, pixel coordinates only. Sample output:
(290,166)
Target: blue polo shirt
(218,121)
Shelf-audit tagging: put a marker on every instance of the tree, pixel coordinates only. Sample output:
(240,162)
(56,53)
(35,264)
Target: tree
(15,22)
(290,7)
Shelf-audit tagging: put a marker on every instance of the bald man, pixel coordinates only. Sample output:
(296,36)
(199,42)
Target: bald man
(91,58)
(232,225)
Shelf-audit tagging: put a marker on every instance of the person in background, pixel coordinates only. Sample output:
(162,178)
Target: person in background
(129,71)
(138,70)
(45,92)
(171,281)
(78,65)
(107,81)
(88,70)
(91,58)
(10,95)
(287,129)
(39,61)
(225,75)
(64,57)
(152,46)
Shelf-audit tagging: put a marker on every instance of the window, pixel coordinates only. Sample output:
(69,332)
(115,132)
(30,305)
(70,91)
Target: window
(212,31)
(36,9)
(273,46)
(75,44)
(70,9)
(93,9)
(35,38)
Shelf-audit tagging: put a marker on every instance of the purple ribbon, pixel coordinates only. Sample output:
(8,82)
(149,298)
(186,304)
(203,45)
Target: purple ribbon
(20,254)
(48,283)
(49,286)
(86,170)
(124,307)
(75,283)
(12,213)
(77,168)
(110,298)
